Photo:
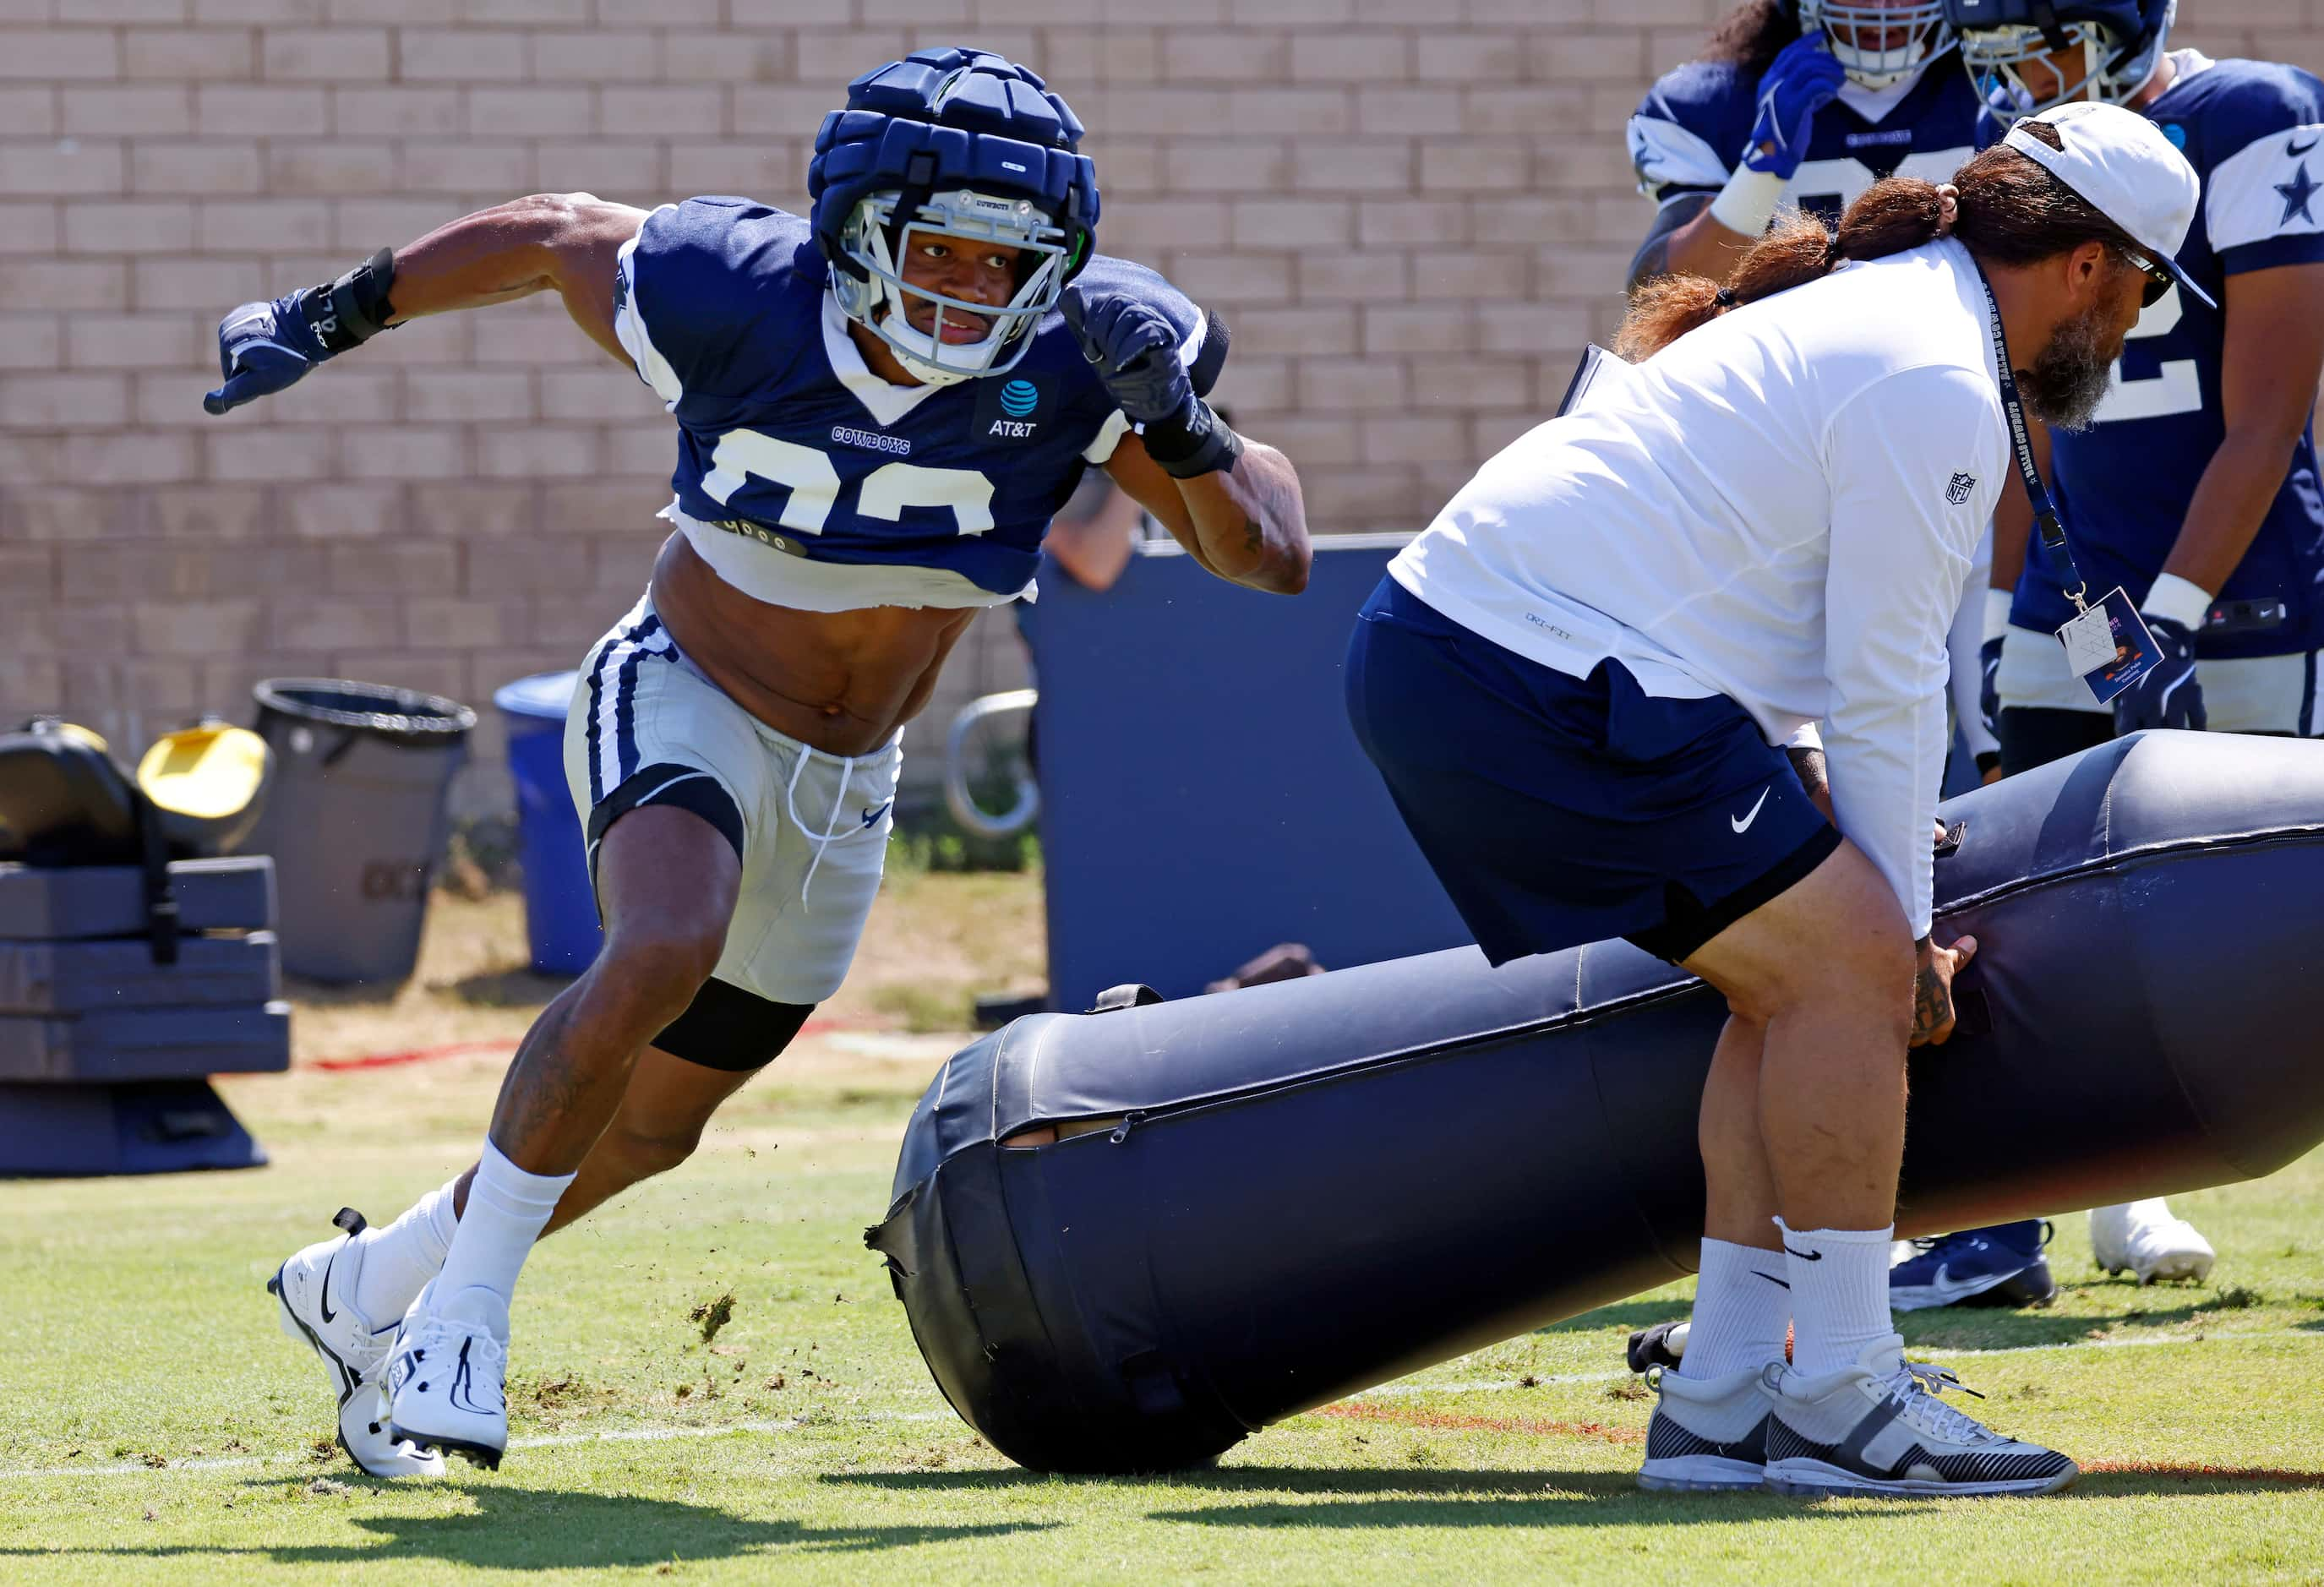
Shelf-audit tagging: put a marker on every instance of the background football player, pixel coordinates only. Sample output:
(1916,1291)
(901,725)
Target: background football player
(1798,102)
(2196,486)
(879,406)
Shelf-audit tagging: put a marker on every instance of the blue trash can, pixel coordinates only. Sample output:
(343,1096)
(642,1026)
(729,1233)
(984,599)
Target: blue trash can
(560,910)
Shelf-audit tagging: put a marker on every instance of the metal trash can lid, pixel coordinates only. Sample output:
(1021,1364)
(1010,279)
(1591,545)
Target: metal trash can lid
(543,696)
(401,714)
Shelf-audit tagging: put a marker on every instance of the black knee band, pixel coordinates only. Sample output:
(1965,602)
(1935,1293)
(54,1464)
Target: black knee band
(668,782)
(726,1028)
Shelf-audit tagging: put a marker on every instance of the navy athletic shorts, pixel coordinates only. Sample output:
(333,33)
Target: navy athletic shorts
(1560,810)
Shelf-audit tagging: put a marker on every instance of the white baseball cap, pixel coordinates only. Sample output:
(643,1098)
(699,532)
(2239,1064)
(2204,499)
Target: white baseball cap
(2125,169)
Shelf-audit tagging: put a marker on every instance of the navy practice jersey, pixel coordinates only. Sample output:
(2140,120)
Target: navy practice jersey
(786,438)
(2255,133)
(1690,132)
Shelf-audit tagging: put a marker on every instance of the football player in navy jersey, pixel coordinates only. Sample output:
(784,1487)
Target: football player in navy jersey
(1800,102)
(880,405)
(2195,488)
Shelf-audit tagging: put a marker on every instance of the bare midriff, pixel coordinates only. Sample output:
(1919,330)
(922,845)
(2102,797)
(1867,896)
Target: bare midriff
(841,682)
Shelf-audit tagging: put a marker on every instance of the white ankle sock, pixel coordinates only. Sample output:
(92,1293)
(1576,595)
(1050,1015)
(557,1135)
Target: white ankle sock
(1839,1295)
(1742,1305)
(507,1210)
(399,1260)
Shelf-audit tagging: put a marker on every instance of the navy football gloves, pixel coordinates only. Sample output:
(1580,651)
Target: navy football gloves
(1803,78)
(2169,694)
(1135,351)
(267,347)
(264,348)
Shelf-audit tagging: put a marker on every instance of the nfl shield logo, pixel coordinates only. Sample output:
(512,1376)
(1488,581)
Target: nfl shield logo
(1957,490)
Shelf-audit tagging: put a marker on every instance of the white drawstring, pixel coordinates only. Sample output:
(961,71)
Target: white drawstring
(791,806)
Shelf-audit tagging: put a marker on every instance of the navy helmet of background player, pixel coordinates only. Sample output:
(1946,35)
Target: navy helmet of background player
(2197,483)
(2120,43)
(1802,101)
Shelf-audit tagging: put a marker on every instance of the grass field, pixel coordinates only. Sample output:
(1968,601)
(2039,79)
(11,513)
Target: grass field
(153,1426)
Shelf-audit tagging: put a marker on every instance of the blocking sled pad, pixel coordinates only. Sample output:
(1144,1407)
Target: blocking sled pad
(1302,1190)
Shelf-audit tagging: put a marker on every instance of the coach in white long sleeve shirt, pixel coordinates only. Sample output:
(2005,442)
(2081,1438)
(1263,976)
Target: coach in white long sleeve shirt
(1574,682)
(1776,509)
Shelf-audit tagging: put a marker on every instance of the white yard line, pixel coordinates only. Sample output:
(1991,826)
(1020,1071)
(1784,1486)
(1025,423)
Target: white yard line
(793,1424)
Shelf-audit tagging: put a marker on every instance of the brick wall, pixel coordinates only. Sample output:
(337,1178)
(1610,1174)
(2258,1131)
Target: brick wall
(1413,211)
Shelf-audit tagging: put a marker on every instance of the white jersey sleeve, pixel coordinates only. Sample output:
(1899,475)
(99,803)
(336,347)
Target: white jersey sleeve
(1911,463)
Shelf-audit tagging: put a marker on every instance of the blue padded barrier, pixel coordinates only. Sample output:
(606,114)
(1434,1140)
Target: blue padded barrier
(1202,797)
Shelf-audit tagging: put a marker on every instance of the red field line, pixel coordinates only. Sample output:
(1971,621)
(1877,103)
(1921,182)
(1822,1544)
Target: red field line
(458,1049)
(1359,1410)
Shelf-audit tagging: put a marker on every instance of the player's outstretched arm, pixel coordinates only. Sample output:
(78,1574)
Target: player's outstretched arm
(1687,239)
(1245,522)
(566,242)
(1234,504)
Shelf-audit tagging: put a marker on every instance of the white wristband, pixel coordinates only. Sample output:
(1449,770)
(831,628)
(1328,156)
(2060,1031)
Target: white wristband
(1997,612)
(2182,601)
(1747,202)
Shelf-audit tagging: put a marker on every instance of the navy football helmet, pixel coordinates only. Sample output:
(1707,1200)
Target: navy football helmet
(2104,49)
(962,145)
(1878,44)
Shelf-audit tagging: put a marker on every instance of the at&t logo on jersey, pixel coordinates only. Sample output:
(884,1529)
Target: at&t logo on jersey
(1010,410)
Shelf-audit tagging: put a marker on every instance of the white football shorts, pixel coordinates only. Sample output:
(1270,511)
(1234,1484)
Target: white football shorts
(647,727)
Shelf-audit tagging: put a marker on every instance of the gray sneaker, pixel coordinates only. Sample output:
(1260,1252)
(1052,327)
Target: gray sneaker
(1708,1434)
(1878,1429)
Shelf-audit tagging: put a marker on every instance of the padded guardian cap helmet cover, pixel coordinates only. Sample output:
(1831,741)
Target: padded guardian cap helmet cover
(956,143)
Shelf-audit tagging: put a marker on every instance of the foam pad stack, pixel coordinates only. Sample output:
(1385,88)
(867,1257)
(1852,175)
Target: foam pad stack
(107,1040)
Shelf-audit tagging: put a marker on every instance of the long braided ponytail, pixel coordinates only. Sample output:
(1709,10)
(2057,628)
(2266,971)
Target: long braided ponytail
(2003,205)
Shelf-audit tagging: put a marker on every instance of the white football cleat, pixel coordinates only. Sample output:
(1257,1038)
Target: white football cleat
(446,1375)
(1877,1429)
(2144,1238)
(314,1295)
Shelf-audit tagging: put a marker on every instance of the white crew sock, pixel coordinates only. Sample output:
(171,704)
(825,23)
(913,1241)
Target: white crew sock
(1742,1305)
(1839,1295)
(399,1260)
(507,1210)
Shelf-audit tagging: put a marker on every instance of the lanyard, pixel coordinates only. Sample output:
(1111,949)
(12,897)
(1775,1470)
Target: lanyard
(2045,516)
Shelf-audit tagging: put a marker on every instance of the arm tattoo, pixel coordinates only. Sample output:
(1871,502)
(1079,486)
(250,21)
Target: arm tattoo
(1813,771)
(1932,1004)
(1652,258)
(1253,538)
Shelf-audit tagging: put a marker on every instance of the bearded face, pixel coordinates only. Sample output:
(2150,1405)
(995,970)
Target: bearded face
(2070,376)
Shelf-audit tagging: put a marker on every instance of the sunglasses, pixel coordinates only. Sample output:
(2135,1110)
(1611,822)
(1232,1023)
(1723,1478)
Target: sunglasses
(2159,280)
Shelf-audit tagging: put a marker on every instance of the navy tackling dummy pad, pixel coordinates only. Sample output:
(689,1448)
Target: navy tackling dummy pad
(1301,1190)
